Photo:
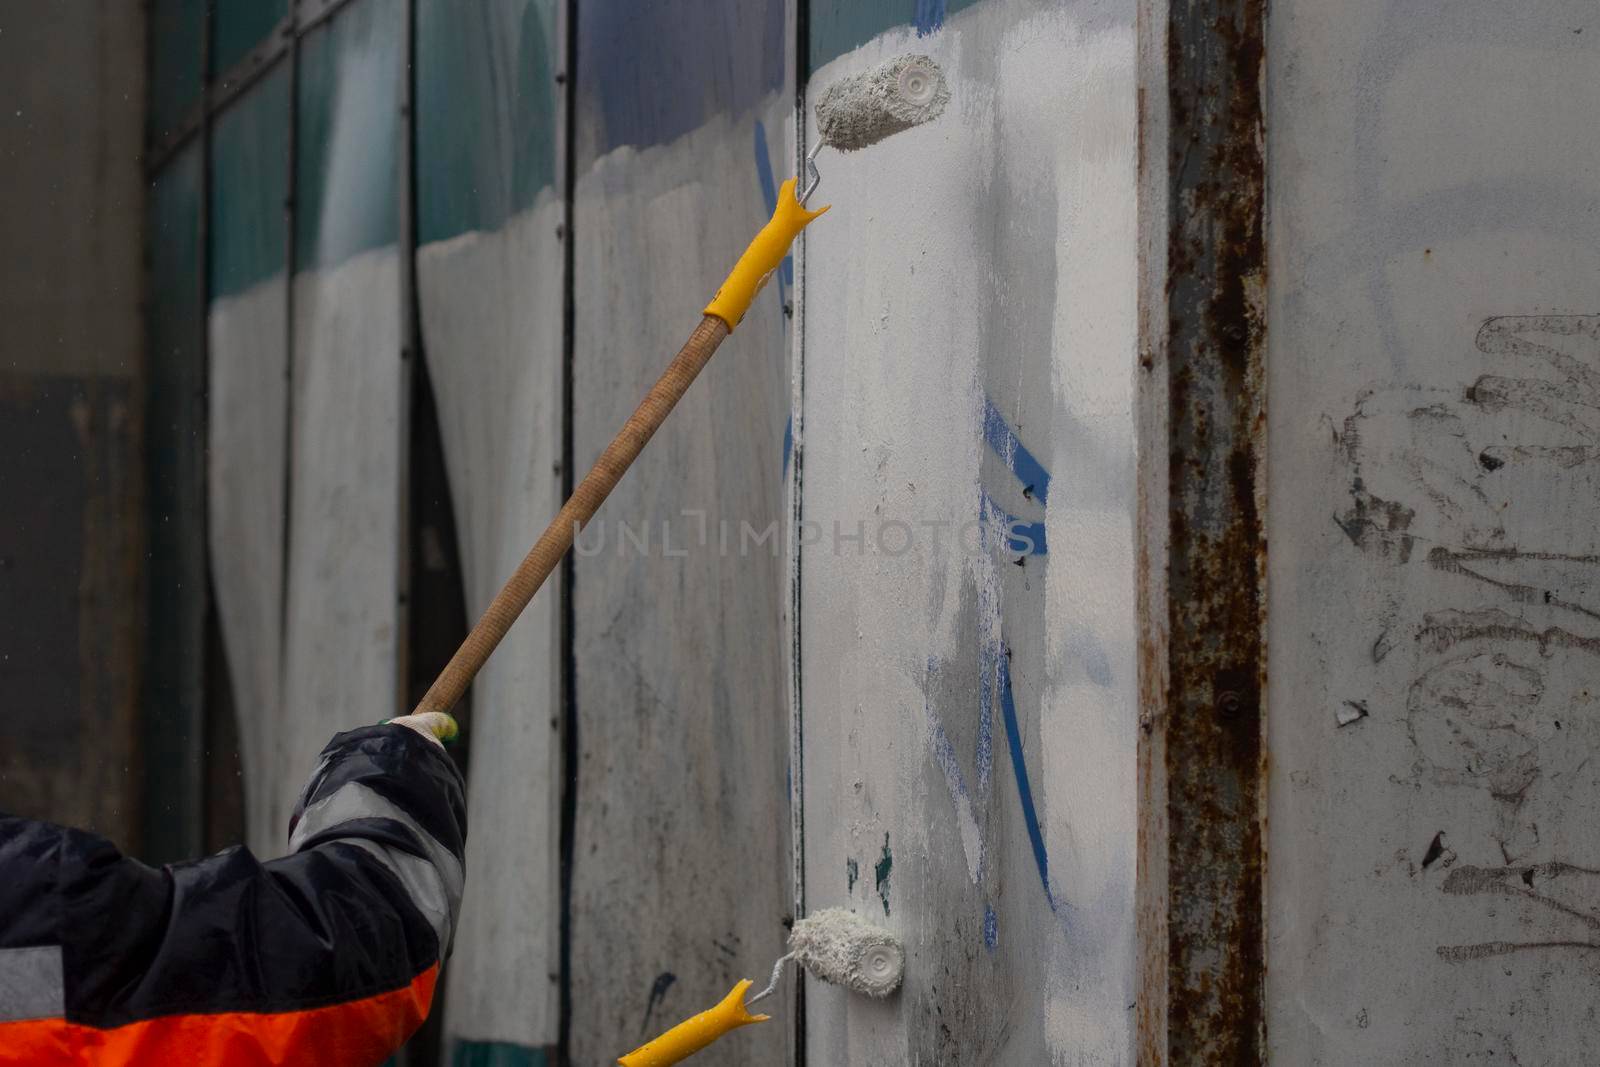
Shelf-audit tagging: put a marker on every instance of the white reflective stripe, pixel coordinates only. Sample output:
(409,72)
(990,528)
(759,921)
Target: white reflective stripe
(358,801)
(31,986)
(424,885)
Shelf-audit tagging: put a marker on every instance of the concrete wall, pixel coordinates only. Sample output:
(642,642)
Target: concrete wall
(1434,356)
(681,876)
(924,700)
(71,346)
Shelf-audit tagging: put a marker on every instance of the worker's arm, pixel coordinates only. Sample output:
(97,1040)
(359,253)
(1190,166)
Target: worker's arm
(328,955)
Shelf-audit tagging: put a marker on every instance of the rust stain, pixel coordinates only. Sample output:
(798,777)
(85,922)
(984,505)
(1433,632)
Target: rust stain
(1203,767)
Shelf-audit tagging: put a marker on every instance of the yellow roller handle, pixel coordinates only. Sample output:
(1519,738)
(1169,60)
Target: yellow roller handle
(763,257)
(692,1035)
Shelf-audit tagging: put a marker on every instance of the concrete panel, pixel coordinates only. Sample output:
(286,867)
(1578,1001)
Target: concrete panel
(249,346)
(348,394)
(681,882)
(967,564)
(1434,355)
(342,615)
(490,281)
(491,322)
(249,349)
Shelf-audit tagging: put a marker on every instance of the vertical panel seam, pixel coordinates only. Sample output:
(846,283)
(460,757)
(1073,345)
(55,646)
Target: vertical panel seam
(802,70)
(568,654)
(406,247)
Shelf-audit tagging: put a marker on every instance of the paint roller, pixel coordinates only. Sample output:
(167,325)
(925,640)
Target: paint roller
(851,114)
(855,113)
(834,945)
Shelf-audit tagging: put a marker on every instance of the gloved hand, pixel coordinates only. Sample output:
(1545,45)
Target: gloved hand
(436,726)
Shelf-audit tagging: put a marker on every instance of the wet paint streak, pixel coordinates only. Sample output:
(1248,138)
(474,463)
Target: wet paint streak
(929,16)
(852,871)
(881,871)
(658,990)
(1019,766)
(944,754)
(1009,447)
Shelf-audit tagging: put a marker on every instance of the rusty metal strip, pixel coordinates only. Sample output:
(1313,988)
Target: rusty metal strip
(1205,742)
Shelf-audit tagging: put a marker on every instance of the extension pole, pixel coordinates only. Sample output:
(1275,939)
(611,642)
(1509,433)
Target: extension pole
(724,312)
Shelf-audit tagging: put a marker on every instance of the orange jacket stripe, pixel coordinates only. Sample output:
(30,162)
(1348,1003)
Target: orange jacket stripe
(361,1031)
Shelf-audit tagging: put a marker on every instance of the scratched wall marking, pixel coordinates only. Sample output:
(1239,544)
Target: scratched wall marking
(1492,485)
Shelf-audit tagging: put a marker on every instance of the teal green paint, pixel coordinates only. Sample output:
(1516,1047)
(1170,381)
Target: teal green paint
(347,144)
(840,26)
(177,28)
(498,1054)
(881,871)
(852,871)
(486,112)
(249,184)
(240,25)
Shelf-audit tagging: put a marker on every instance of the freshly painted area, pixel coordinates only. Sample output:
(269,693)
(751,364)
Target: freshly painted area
(342,612)
(1432,375)
(248,334)
(968,322)
(249,339)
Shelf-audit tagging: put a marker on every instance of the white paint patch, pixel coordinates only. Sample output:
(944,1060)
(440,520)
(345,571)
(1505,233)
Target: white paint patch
(1089,719)
(980,268)
(341,670)
(249,342)
(491,325)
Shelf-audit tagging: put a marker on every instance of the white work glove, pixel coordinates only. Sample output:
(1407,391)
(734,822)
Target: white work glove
(436,726)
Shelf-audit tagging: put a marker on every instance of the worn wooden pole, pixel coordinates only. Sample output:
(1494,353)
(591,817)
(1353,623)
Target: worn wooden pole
(726,310)
(574,515)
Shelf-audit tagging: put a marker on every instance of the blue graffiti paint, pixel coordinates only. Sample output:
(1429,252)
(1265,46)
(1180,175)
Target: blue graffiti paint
(987,655)
(1027,538)
(1092,654)
(1019,766)
(928,17)
(1009,447)
(991,928)
(788,444)
(649,95)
